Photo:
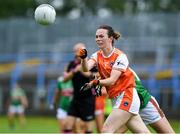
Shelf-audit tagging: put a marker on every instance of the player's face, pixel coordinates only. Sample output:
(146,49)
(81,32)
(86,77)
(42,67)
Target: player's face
(102,38)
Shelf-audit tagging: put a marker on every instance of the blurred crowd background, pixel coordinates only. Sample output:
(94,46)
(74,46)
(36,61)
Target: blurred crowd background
(36,55)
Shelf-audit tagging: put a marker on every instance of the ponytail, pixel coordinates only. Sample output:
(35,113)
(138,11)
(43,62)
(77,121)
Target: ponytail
(116,35)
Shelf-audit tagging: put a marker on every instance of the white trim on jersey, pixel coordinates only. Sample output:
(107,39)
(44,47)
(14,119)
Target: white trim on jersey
(121,62)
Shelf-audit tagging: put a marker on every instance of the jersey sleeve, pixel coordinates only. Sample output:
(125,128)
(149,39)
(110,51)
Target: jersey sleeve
(94,57)
(121,63)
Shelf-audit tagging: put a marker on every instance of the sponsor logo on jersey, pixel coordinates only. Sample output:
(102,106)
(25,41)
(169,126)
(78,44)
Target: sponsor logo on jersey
(120,63)
(126,103)
(111,63)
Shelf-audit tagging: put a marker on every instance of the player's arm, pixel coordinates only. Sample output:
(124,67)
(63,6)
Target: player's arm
(86,64)
(57,93)
(24,101)
(56,97)
(118,68)
(78,68)
(68,75)
(87,74)
(103,91)
(97,84)
(115,74)
(90,74)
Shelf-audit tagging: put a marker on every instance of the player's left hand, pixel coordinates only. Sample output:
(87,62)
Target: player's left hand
(89,85)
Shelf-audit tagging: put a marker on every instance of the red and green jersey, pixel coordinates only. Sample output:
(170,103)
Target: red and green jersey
(143,93)
(66,89)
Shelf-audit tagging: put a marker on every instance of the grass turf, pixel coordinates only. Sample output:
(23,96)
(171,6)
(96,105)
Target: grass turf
(40,124)
(35,124)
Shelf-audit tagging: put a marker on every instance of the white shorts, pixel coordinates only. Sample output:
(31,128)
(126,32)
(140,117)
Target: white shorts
(61,113)
(99,111)
(151,113)
(128,101)
(16,109)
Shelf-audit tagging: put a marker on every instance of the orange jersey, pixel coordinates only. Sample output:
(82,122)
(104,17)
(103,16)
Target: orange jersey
(116,60)
(100,102)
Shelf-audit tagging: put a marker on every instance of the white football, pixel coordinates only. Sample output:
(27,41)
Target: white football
(45,14)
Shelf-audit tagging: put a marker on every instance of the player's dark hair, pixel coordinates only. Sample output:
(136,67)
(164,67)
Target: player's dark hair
(111,32)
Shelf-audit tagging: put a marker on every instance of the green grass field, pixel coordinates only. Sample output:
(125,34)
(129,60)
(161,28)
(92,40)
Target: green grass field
(37,124)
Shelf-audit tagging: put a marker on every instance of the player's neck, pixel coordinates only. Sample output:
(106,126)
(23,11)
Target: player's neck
(108,51)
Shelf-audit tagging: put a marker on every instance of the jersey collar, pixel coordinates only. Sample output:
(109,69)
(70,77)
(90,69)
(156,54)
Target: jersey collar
(109,54)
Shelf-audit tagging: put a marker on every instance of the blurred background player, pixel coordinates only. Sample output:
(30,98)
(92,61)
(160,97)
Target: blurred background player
(18,104)
(62,100)
(83,104)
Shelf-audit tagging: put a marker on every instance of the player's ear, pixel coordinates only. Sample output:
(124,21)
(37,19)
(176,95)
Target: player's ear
(111,38)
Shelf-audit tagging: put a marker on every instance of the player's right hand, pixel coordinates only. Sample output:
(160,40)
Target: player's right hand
(82,53)
(95,88)
(89,85)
